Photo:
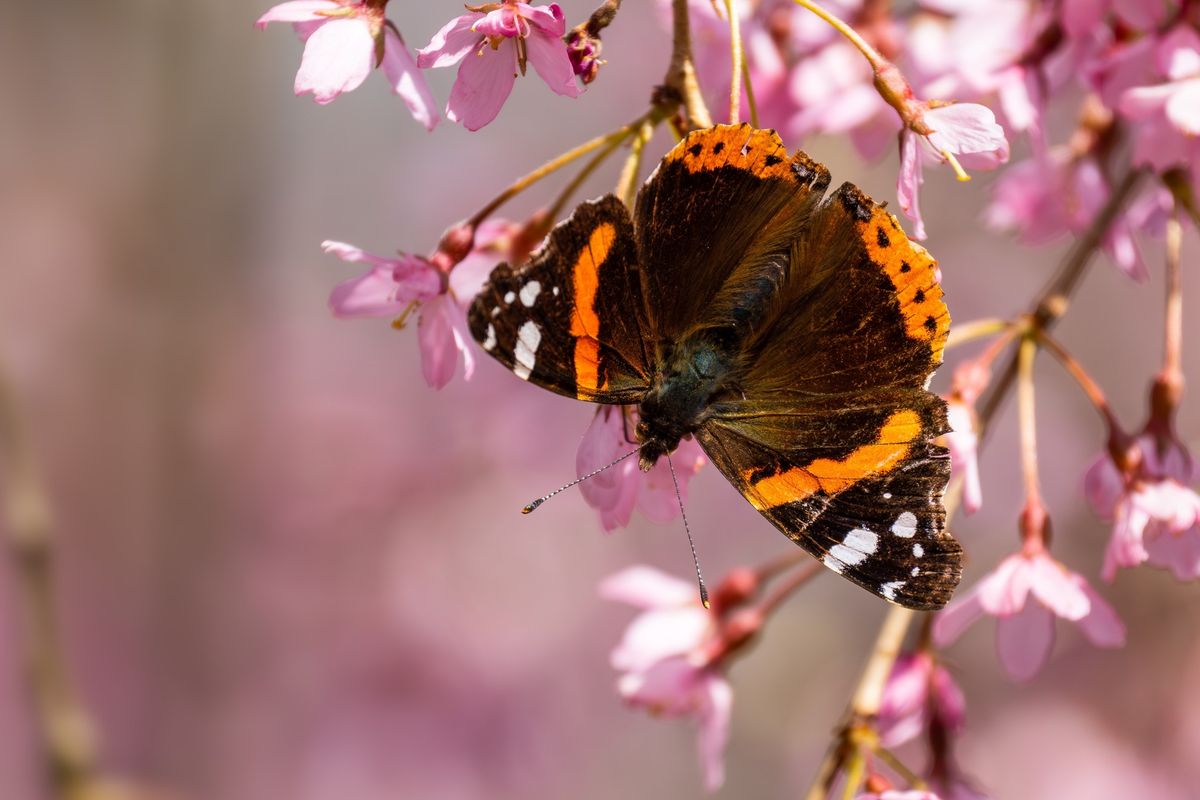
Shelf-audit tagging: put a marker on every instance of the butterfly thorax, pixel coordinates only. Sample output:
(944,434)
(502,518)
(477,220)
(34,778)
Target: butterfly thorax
(697,368)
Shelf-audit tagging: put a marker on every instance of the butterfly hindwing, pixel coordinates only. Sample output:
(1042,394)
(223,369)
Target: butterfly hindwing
(570,319)
(830,432)
(868,505)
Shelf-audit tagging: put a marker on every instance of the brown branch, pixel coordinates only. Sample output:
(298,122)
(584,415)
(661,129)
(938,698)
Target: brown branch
(67,733)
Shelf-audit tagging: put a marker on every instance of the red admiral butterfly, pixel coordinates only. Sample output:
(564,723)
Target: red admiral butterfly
(791,333)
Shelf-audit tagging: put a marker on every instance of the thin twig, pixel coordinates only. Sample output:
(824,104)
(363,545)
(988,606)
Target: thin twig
(737,59)
(66,729)
(1027,420)
(681,72)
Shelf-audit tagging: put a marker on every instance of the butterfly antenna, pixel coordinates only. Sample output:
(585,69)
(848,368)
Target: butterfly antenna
(688,531)
(530,508)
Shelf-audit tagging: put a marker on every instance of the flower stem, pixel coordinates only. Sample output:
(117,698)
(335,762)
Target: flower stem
(1172,369)
(1026,352)
(1089,386)
(627,182)
(564,196)
(557,163)
(737,57)
(68,735)
(750,101)
(681,72)
(841,26)
(976,329)
(797,579)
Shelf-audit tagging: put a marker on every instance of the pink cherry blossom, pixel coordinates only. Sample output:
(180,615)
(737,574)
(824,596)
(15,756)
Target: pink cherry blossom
(486,44)
(1168,112)
(834,92)
(963,133)
(1025,593)
(963,443)
(918,689)
(1084,18)
(663,663)
(898,794)
(343,41)
(1047,197)
(616,491)
(389,289)
(1156,518)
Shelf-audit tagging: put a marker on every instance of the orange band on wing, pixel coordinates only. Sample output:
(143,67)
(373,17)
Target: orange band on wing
(760,152)
(835,475)
(585,324)
(913,273)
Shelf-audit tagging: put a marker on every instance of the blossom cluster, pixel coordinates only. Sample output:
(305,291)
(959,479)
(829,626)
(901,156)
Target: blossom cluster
(956,83)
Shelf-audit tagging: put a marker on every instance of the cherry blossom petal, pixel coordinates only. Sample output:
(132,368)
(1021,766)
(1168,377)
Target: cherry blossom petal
(484,82)
(549,57)
(1141,15)
(902,712)
(1183,107)
(1125,546)
(440,338)
(667,687)
(450,44)
(1006,589)
(614,491)
(647,587)
(1081,17)
(407,81)
(908,183)
(298,11)
(1024,641)
(372,294)
(968,129)
(1100,625)
(549,20)
(1178,53)
(338,57)
(957,617)
(1178,552)
(1056,588)
(715,713)
(662,633)
(951,703)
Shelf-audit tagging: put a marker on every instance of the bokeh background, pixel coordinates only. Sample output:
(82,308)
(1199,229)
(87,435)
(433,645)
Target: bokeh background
(289,569)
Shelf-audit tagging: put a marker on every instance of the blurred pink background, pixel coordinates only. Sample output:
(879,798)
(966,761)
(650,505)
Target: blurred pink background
(289,569)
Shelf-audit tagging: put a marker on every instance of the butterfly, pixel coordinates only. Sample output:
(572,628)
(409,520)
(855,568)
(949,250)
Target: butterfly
(791,332)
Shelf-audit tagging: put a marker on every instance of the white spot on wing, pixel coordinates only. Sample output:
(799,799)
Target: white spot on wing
(495,311)
(510,296)
(490,341)
(905,525)
(918,551)
(528,338)
(887,495)
(916,571)
(889,589)
(862,540)
(529,293)
(830,561)
(847,555)
(555,291)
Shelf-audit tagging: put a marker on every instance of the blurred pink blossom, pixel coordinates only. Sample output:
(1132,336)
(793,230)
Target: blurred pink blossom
(490,39)
(918,689)
(899,794)
(389,288)
(1084,18)
(1025,593)
(615,491)
(664,662)
(343,41)
(834,92)
(962,133)
(1156,517)
(1046,197)
(963,443)
(1168,111)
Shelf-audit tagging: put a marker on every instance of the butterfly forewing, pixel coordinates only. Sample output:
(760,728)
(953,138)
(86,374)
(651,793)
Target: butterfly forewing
(570,319)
